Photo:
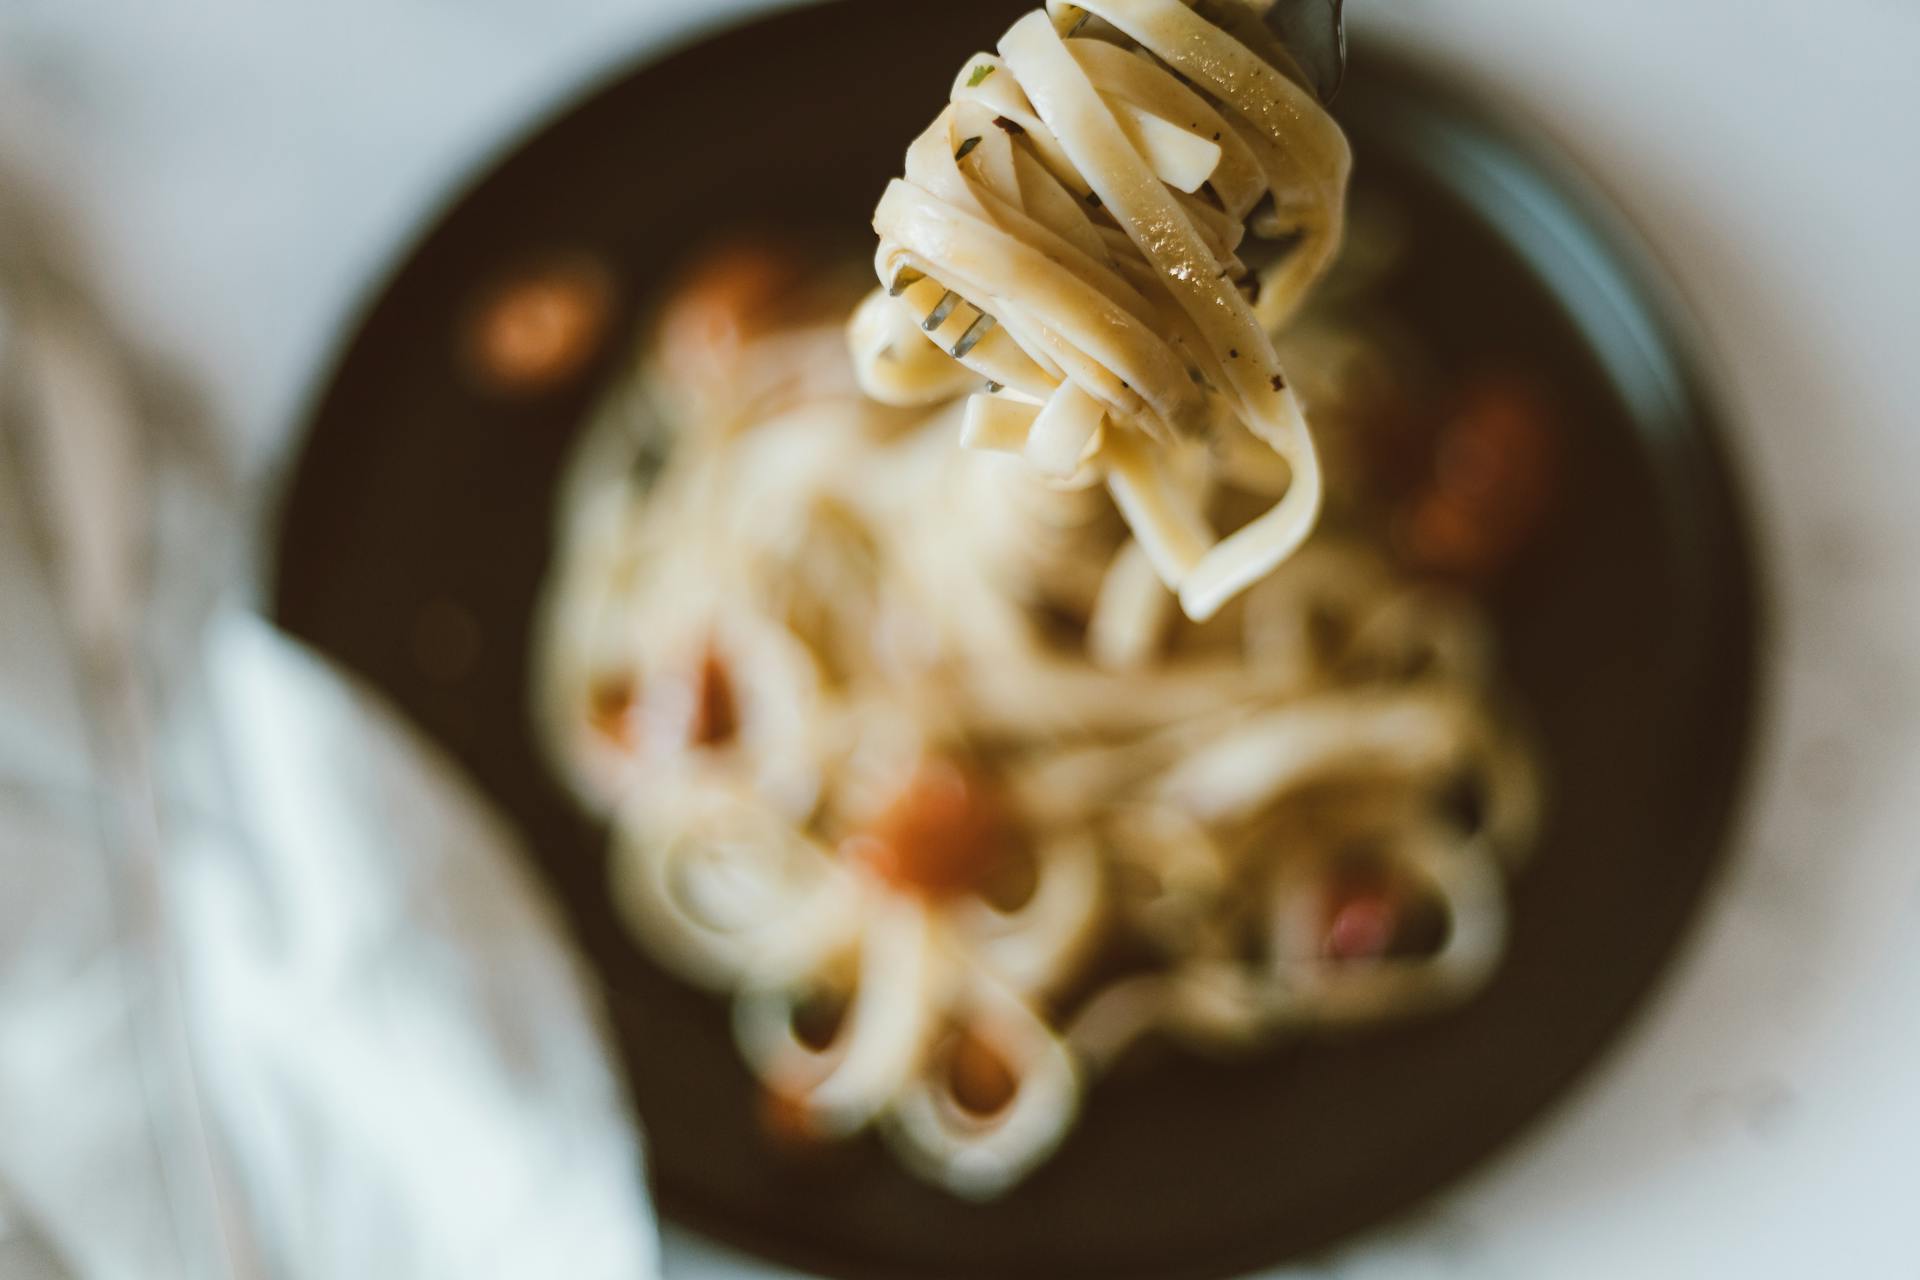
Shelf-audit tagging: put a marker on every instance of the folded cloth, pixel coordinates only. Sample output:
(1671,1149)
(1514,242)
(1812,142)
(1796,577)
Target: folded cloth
(277,995)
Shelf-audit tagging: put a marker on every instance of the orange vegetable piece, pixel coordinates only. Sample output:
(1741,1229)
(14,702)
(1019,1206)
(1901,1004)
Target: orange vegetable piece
(732,294)
(946,833)
(540,328)
(716,714)
(1495,476)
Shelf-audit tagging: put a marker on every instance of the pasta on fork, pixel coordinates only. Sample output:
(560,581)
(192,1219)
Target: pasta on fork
(1070,230)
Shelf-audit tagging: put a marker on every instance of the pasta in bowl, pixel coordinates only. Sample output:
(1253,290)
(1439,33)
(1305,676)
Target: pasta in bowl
(916,759)
(1545,510)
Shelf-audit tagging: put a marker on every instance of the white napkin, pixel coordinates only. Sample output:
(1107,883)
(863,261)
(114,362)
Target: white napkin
(277,994)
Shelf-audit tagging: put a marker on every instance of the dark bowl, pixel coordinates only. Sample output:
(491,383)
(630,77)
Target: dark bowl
(417,529)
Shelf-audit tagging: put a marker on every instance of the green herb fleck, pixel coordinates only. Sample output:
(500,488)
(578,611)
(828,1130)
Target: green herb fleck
(966,148)
(980,73)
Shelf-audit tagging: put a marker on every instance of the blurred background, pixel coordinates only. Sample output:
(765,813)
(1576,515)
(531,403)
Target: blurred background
(233,179)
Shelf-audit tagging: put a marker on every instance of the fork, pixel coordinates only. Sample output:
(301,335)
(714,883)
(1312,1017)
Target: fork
(1314,33)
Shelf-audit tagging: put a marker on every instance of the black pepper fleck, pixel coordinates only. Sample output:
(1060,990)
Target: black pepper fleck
(1279,383)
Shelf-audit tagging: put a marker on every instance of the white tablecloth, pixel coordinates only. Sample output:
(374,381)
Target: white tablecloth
(278,997)
(248,170)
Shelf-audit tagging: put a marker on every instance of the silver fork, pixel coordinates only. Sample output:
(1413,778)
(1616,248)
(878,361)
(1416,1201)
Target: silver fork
(1314,33)
(1311,36)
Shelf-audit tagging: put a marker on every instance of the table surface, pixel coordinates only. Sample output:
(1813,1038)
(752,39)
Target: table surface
(246,173)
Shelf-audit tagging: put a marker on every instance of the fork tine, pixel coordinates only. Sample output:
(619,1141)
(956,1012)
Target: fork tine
(971,338)
(941,310)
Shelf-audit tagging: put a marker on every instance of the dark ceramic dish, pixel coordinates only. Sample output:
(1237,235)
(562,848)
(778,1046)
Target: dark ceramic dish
(417,526)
